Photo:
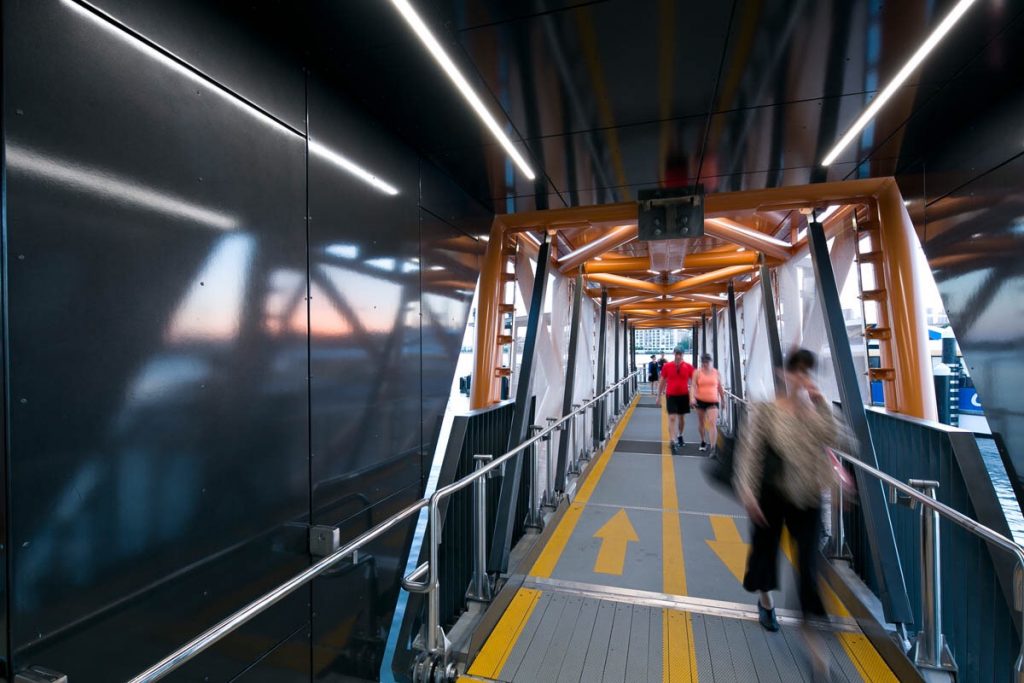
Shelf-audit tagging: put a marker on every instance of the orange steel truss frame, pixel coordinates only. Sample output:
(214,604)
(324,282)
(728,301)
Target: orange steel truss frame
(665,305)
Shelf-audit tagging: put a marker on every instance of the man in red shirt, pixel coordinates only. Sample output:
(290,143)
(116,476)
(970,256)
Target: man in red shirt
(676,378)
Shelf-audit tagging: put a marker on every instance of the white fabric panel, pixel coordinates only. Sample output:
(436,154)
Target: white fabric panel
(803,321)
(758,382)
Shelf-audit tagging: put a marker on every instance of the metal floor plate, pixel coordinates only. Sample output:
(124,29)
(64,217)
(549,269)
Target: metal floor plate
(641,581)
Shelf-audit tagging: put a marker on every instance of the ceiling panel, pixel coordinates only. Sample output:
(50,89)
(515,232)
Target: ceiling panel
(615,95)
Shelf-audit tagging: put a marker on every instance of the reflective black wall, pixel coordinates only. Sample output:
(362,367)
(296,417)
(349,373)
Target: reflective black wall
(963,176)
(216,335)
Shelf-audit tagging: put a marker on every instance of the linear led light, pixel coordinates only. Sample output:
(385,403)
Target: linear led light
(151,50)
(348,165)
(940,31)
(434,47)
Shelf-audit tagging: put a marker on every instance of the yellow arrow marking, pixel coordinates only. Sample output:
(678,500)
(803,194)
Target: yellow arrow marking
(732,551)
(616,534)
(729,545)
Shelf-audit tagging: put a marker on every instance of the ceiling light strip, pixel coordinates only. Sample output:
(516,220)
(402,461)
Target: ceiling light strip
(179,65)
(434,47)
(940,31)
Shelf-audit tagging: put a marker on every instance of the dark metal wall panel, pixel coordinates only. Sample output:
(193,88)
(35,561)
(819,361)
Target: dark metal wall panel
(161,419)
(253,48)
(167,447)
(966,198)
(365,365)
(364,313)
(289,662)
(353,606)
(4,461)
(449,267)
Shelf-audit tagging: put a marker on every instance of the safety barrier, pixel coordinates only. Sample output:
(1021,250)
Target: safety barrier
(969,583)
(433,665)
(971,630)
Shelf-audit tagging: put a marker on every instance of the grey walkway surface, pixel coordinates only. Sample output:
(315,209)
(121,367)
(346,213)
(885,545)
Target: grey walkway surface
(573,638)
(591,623)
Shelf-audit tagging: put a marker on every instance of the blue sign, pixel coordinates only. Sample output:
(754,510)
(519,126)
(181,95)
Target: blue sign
(877,393)
(969,402)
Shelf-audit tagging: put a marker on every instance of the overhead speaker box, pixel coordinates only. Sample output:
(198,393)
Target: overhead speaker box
(670,213)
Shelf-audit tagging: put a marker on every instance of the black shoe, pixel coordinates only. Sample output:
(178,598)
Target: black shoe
(681,442)
(675,448)
(766,617)
(703,446)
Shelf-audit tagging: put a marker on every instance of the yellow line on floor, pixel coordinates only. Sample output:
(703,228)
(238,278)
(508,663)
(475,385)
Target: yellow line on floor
(545,564)
(493,655)
(728,545)
(858,648)
(679,655)
(862,653)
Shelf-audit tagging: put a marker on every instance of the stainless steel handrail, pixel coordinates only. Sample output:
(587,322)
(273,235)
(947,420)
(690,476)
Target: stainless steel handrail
(734,397)
(923,498)
(962,520)
(434,635)
(215,633)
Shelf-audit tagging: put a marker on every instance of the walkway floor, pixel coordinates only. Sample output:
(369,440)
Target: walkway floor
(640,581)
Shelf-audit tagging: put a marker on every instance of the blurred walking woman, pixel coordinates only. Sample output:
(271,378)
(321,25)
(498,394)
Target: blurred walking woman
(707,391)
(781,471)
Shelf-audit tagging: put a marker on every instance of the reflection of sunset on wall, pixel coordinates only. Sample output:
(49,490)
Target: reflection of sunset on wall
(212,307)
(330,310)
(324,319)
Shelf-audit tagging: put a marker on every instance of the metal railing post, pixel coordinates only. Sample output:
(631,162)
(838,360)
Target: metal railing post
(480,586)
(580,454)
(534,520)
(574,463)
(929,646)
(434,591)
(839,549)
(549,493)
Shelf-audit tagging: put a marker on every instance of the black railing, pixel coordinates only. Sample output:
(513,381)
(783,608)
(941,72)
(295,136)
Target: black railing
(978,618)
(482,432)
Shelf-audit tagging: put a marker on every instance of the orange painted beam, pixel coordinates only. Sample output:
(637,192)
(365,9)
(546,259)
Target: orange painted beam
(628,300)
(731,231)
(619,292)
(571,217)
(613,239)
(668,305)
(627,283)
(791,197)
(695,261)
(485,359)
(706,278)
(914,386)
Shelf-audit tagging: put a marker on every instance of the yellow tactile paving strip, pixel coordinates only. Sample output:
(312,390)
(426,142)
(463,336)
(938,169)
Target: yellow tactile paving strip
(679,658)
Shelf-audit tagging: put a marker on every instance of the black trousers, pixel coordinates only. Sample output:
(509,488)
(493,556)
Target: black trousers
(763,562)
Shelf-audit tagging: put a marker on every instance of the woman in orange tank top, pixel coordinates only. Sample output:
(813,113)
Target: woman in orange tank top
(707,394)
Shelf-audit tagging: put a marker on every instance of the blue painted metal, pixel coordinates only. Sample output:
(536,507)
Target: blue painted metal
(969,402)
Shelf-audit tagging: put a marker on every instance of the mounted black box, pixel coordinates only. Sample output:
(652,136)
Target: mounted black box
(670,213)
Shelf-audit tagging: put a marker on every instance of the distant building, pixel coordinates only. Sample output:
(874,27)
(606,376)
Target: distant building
(660,341)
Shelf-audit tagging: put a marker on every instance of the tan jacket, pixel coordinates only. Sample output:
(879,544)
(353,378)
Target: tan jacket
(800,439)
